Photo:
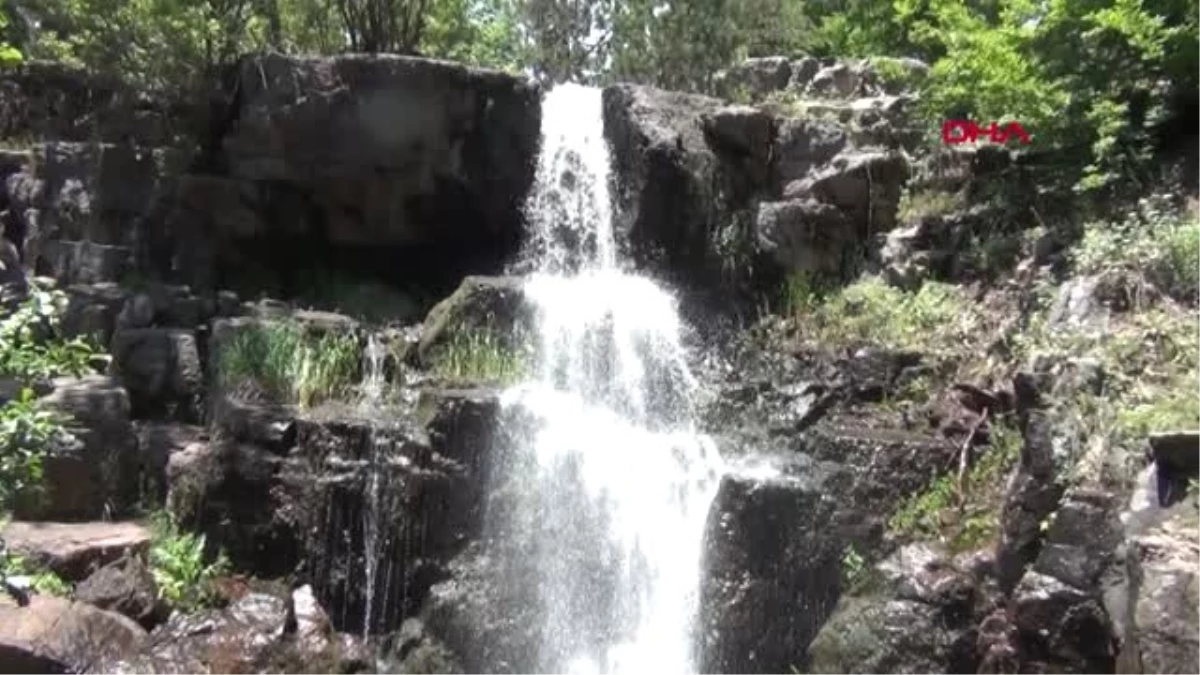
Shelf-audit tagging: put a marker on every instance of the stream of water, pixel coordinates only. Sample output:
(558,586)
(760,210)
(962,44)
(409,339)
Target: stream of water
(613,481)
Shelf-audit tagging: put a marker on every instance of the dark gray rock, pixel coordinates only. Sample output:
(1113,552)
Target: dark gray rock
(1035,490)
(157,442)
(92,310)
(864,185)
(806,235)
(1062,626)
(127,587)
(1082,539)
(96,473)
(880,635)
(771,572)
(804,144)
(161,369)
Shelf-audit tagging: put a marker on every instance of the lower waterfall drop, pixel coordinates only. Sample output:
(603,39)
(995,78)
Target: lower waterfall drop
(610,481)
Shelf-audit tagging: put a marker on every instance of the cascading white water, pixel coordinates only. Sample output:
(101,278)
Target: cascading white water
(613,481)
(372,390)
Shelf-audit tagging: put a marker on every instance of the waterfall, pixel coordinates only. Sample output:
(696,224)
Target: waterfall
(372,389)
(612,482)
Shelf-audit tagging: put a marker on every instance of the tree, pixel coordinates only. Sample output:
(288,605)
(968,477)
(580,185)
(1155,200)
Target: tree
(384,25)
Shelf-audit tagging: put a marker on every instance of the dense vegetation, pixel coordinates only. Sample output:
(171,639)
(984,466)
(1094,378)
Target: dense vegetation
(1049,65)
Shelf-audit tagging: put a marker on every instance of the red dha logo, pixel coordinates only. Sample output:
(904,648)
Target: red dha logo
(967,131)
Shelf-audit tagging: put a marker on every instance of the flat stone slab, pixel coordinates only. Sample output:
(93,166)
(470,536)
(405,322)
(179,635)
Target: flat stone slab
(74,550)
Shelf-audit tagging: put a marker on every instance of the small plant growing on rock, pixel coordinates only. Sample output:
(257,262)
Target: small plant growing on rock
(178,563)
(872,312)
(27,432)
(480,356)
(32,346)
(40,580)
(854,571)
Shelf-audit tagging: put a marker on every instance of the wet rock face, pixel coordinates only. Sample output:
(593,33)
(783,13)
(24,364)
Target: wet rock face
(367,509)
(127,587)
(491,305)
(771,569)
(916,616)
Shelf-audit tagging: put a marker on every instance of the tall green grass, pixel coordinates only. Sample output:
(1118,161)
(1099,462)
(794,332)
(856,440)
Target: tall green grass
(284,362)
(480,356)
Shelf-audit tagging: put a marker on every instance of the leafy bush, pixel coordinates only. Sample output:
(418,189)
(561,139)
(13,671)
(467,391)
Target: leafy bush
(178,563)
(480,356)
(284,362)
(1156,242)
(32,346)
(915,205)
(27,431)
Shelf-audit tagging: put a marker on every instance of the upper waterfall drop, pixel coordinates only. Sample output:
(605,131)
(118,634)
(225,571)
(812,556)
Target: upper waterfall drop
(611,484)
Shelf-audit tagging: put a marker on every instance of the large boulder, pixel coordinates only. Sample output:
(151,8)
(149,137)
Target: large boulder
(127,587)
(771,569)
(914,617)
(160,367)
(97,472)
(53,635)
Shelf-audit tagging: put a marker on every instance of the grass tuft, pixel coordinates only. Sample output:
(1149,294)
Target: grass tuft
(480,356)
(285,363)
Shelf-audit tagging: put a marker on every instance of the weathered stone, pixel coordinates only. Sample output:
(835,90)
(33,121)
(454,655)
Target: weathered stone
(805,144)
(230,492)
(98,471)
(74,550)
(270,426)
(1082,539)
(157,443)
(493,304)
(314,631)
(805,235)
(161,369)
(879,635)
(85,262)
(1034,492)
(93,309)
(1153,596)
(1068,625)
(53,635)
(127,587)
(244,637)
(866,186)
(771,570)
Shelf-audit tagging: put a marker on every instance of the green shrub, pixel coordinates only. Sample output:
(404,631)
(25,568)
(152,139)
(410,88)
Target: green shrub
(480,356)
(41,580)
(870,311)
(32,346)
(854,570)
(27,432)
(178,563)
(286,363)
(1156,242)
